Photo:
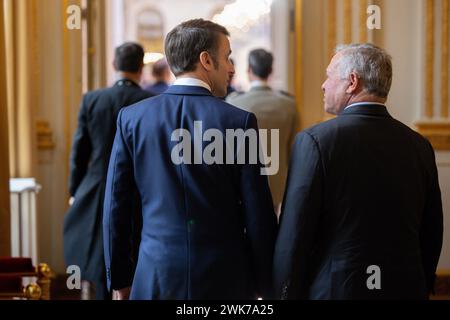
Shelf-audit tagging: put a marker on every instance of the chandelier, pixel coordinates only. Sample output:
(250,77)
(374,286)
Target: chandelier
(241,15)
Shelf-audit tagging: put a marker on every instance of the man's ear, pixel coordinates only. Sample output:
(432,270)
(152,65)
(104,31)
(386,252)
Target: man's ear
(354,83)
(206,61)
(114,64)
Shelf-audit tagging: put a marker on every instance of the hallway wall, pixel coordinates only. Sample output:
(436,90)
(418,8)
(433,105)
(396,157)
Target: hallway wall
(5,220)
(59,78)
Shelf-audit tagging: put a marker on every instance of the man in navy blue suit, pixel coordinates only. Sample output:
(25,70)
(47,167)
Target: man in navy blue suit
(208,227)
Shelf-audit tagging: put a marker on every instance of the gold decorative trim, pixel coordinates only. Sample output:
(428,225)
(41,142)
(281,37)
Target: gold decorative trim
(45,274)
(363,21)
(24,15)
(35,291)
(10,71)
(347,21)
(437,132)
(331,14)
(85,55)
(298,58)
(66,86)
(444,59)
(442,285)
(5,216)
(36,64)
(429,62)
(32,292)
(44,135)
(96,31)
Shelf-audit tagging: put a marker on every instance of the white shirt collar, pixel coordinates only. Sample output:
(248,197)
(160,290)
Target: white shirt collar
(258,83)
(361,103)
(192,82)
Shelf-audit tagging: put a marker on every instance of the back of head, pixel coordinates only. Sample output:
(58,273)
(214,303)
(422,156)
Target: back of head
(186,41)
(129,57)
(159,68)
(372,64)
(260,63)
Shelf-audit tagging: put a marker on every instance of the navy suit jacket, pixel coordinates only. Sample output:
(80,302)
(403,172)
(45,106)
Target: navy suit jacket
(157,88)
(208,231)
(362,191)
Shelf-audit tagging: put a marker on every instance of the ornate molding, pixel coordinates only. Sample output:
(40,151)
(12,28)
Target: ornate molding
(44,135)
(429,60)
(444,60)
(298,11)
(437,132)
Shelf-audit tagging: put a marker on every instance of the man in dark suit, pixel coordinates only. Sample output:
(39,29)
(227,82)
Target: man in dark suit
(362,213)
(208,227)
(89,163)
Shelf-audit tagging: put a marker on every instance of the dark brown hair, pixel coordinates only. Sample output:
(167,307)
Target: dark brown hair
(260,62)
(159,68)
(186,41)
(129,57)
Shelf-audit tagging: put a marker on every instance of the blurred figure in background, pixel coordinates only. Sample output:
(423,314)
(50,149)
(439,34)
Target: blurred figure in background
(91,149)
(274,110)
(162,75)
(231,88)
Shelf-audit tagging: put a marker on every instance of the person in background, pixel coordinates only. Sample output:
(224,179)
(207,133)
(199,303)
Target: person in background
(230,87)
(274,110)
(162,75)
(91,149)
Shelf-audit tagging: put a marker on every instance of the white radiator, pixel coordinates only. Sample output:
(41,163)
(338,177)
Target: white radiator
(24,242)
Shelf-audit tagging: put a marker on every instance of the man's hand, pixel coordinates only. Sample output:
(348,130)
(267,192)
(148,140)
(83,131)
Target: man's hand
(121,294)
(71,201)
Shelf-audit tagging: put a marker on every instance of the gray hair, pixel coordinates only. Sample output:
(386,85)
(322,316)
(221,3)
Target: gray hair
(372,65)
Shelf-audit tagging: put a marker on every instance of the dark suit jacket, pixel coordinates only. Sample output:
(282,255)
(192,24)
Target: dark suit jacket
(208,230)
(88,167)
(362,190)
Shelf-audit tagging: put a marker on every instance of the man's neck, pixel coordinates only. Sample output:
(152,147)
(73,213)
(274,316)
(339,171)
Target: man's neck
(364,97)
(259,83)
(190,81)
(195,75)
(253,78)
(198,76)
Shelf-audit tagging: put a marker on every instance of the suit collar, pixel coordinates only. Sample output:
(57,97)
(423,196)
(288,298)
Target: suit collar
(126,83)
(367,109)
(260,88)
(189,81)
(258,83)
(188,90)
